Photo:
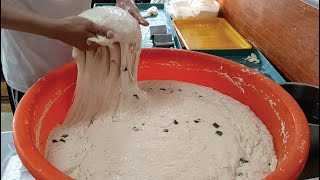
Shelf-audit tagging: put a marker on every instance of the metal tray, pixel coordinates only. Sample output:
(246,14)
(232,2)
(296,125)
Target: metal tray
(11,165)
(209,34)
(163,18)
(239,56)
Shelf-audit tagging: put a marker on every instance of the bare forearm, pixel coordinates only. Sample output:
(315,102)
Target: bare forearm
(73,30)
(21,20)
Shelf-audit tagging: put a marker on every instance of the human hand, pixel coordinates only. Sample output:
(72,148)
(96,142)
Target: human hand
(133,10)
(76,30)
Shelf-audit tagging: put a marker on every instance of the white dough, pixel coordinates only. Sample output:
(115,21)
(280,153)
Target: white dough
(159,130)
(153,10)
(252,58)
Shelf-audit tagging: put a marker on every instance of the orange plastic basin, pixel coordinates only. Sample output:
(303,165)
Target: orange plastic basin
(45,106)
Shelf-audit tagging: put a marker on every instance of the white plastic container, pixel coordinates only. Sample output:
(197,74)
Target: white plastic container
(180,9)
(205,8)
(194,8)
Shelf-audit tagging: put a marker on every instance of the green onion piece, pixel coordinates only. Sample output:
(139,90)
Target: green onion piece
(219,133)
(243,160)
(216,125)
(135,129)
(239,174)
(197,121)
(136,96)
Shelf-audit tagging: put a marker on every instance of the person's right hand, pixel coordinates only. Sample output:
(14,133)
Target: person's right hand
(133,10)
(76,30)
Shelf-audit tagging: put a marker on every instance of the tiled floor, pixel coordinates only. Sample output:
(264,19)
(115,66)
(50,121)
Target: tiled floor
(6,121)
(5,107)
(4,91)
(6,114)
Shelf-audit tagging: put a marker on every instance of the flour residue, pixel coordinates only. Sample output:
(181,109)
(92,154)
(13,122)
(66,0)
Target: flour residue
(284,132)
(45,111)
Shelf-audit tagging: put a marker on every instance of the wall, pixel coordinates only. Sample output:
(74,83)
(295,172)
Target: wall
(286,31)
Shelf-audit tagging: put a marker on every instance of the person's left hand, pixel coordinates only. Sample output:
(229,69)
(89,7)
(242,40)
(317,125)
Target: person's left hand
(133,10)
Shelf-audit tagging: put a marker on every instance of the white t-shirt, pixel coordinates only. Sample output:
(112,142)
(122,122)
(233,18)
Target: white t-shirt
(27,57)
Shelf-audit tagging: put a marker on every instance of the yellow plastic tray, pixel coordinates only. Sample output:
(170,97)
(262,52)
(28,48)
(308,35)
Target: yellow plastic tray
(209,34)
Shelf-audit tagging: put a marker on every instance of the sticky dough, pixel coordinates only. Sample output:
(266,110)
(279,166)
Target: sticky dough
(118,128)
(112,67)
